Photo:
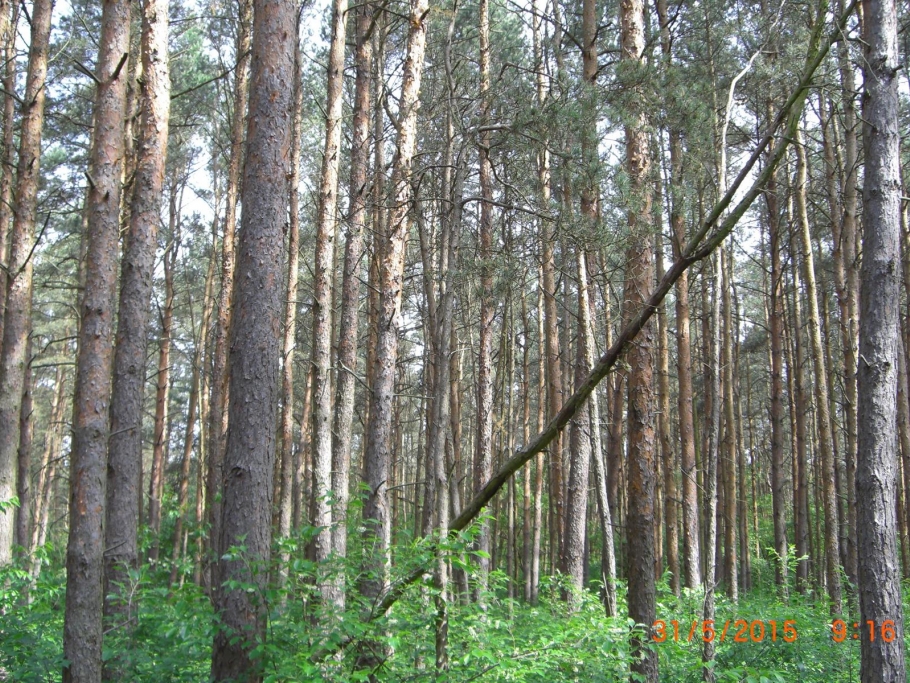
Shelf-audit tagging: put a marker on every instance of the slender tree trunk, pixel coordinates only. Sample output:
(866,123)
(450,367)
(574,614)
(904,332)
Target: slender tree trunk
(547,240)
(847,243)
(302,472)
(580,448)
(879,334)
(9,15)
(82,627)
(823,417)
(47,467)
(483,455)
(441,404)
(285,484)
(539,464)
(800,395)
(378,442)
(350,286)
(775,327)
(24,456)
(255,347)
(323,279)
(191,418)
(160,445)
(668,458)
(712,452)
(18,275)
(642,467)
(124,467)
(220,378)
(729,437)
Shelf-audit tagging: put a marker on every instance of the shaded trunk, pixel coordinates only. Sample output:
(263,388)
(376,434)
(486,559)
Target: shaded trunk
(284,486)
(18,275)
(483,454)
(378,441)
(801,466)
(775,334)
(729,437)
(220,378)
(350,286)
(9,16)
(82,627)
(822,403)
(323,284)
(668,458)
(580,448)
(162,391)
(551,322)
(639,278)
(879,342)
(255,348)
(712,453)
(191,418)
(24,456)
(124,466)
(47,469)
(847,244)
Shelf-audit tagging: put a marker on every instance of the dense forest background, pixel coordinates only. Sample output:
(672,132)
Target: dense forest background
(477,340)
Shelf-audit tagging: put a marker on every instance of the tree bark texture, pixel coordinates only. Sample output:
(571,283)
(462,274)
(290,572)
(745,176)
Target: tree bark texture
(379,446)
(124,466)
(355,224)
(323,284)
(82,625)
(822,403)
(220,378)
(642,447)
(256,345)
(18,277)
(877,465)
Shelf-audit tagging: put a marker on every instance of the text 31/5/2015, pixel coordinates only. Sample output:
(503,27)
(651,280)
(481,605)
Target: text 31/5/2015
(736,630)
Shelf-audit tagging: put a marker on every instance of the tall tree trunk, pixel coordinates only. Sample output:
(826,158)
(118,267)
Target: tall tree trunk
(483,455)
(876,486)
(775,334)
(24,455)
(323,279)
(668,458)
(220,378)
(801,466)
(82,626)
(52,438)
(18,274)
(580,448)
(729,437)
(9,15)
(712,452)
(256,346)
(124,467)
(822,403)
(160,445)
(350,285)
(539,464)
(642,466)
(378,442)
(284,487)
(192,415)
(547,240)
(847,243)
(690,522)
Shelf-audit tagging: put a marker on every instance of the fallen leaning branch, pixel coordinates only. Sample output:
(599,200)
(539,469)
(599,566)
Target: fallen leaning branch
(706,239)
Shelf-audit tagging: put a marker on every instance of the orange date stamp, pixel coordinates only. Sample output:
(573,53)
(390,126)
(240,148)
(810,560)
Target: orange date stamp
(841,630)
(734,630)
